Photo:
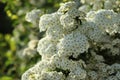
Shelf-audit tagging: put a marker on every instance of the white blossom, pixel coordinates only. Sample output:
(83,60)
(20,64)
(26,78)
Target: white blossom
(78,44)
(33,16)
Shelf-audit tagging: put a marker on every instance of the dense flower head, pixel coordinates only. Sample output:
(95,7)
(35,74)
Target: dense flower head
(33,16)
(78,44)
(74,43)
(46,48)
(55,32)
(101,4)
(49,20)
(66,6)
(106,19)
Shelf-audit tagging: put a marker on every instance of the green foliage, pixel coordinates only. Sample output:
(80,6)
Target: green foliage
(6,78)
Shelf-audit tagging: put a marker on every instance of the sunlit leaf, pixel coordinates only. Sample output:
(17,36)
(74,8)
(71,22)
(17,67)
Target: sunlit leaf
(6,78)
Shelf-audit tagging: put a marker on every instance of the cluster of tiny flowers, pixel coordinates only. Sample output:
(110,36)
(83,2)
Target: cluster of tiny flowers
(73,44)
(103,71)
(77,45)
(89,5)
(33,16)
(30,50)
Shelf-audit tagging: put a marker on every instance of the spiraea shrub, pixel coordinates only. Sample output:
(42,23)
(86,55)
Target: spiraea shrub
(78,44)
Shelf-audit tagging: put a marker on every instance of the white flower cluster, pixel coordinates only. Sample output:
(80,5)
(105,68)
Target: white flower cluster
(104,72)
(76,45)
(33,16)
(73,44)
(30,51)
(89,5)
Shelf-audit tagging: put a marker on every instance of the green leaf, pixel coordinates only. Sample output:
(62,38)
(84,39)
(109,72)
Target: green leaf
(6,78)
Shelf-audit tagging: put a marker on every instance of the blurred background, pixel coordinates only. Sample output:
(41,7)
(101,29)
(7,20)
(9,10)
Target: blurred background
(16,33)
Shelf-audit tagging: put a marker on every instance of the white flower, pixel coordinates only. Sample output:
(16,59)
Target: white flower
(74,43)
(46,48)
(73,49)
(33,16)
(49,20)
(106,19)
(32,44)
(67,22)
(52,75)
(108,4)
(30,74)
(55,32)
(66,6)
(77,74)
